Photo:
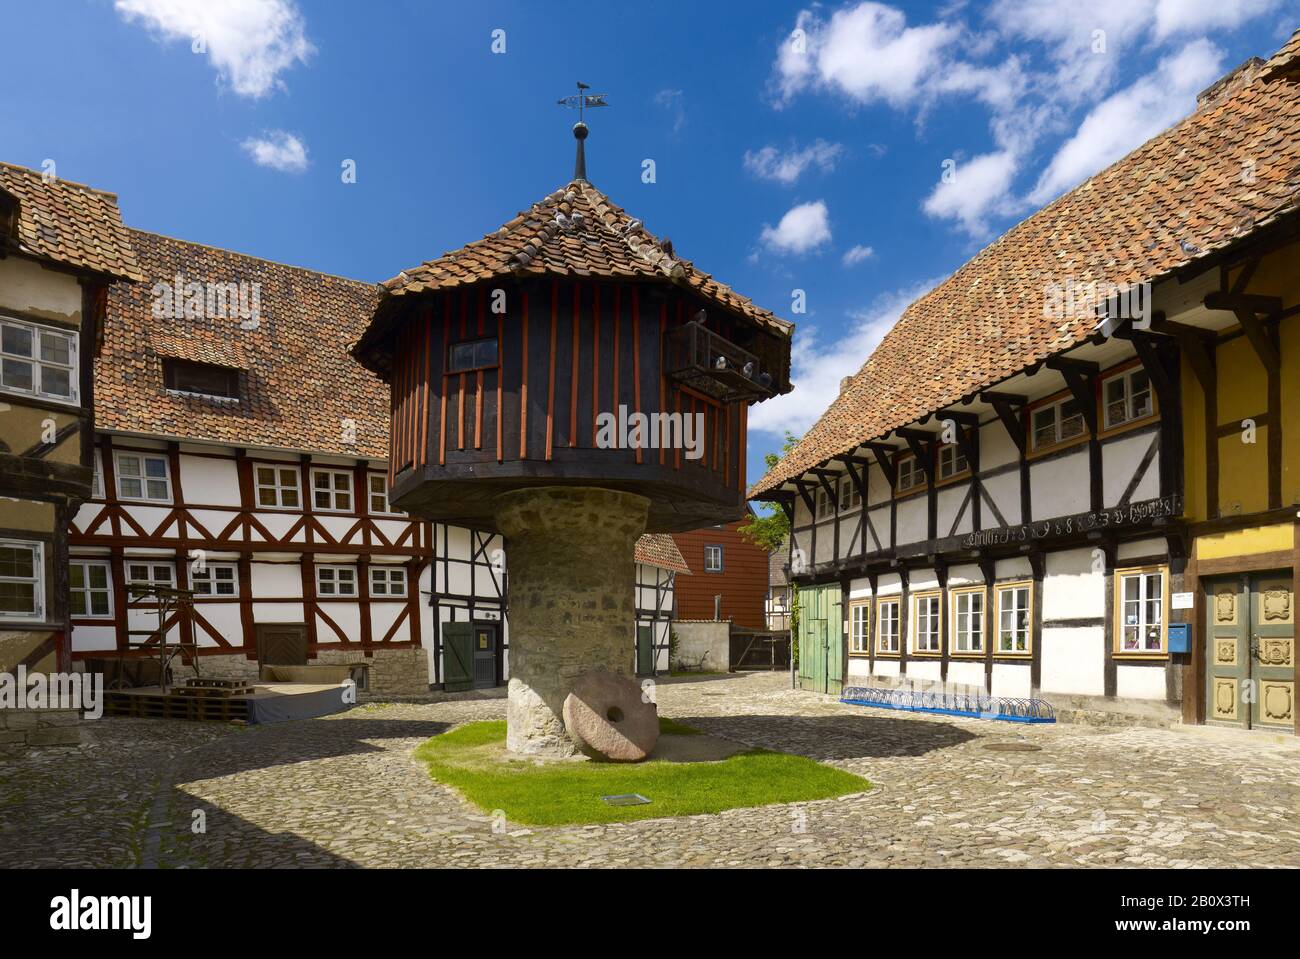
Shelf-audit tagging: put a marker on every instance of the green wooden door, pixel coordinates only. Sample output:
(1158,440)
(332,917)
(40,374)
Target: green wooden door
(645,650)
(821,640)
(457,656)
(1250,650)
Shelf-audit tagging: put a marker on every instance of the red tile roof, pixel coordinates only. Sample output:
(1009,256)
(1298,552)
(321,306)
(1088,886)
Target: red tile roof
(67,223)
(1176,198)
(659,549)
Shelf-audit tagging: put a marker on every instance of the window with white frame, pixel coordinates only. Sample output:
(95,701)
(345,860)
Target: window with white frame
(887,618)
(387,580)
(926,613)
(22,580)
(277,487)
(1127,397)
(1056,423)
(1142,610)
(331,490)
(215,579)
(142,574)
(952,461)
(336,580)
(90,588)
(825,507)
(968,621)
(859,634)
(713,559)
(849,495)
(910,474)
(142,476)
(1015,618)
(379,494)
(96,476)
(38,360)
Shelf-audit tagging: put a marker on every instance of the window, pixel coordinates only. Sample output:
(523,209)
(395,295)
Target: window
(713,559)
(22,580)
(910,474)
(143,575)
(379,494)
(143,477)
(952,461)
(38,360)
(849,495)
(968,620)
(824,505)
(387,581)
(859,635)
(89,589)
(1056,423)
(1015,619)
(336,581)
(202,379)
(215,579)
(926,611)
(472,355)
(277,487)
(887,625)
(331,490)
(96,476)
(1127,397)
(1141,611)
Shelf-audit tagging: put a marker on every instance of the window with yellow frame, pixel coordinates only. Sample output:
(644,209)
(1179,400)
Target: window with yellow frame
(859,627)
(927,622)
(1013,632)
(887,625)
(1141,611)
(968,622)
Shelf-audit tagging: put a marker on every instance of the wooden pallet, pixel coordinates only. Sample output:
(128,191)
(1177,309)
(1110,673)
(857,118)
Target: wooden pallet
(213,692)
(172,706)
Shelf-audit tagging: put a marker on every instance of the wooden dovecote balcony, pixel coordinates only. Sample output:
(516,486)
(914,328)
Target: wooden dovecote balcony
(713,365)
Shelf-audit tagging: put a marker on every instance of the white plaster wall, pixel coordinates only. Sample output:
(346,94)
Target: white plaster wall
(1120,459)
(966,672)
(888,584)
(860,588)
(859,668)
(27,287)
(949,500)
(93,638)
(1072,589)
(967,575)
(209,482)
(1059,487)
(1015,568)
(1004,490)
(348,618)
(1074,660)
(996,448)
(276,581)
(880,520)
(382,616)
(921,580)
(1141,547)
(928,669)
(150,518)
(224,617)
(278,612)
(1140,682)
(1010,679)
(887,667)
(912,525)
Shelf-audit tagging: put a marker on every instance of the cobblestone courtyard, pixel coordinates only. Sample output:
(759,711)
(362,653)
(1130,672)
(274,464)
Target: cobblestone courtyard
(344,791)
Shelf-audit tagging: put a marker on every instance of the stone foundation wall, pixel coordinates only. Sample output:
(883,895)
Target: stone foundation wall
(26,728)
(403,671)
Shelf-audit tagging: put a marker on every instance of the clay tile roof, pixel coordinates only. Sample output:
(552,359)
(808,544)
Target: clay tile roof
(298,385)
(575,231)
(659,549)
(68,223)
(1178,197)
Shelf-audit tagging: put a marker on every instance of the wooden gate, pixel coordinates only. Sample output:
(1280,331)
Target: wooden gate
(1250,651)
(821,640)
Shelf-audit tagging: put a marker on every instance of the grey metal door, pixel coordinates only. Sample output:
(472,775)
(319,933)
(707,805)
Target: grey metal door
(485,656)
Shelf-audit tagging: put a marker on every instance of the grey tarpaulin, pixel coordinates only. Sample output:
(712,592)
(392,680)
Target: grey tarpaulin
(301,703)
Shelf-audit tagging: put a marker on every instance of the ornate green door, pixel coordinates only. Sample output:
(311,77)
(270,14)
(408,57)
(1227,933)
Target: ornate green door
(1250,650)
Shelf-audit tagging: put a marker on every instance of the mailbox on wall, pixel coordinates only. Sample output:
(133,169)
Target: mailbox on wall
(1180,637)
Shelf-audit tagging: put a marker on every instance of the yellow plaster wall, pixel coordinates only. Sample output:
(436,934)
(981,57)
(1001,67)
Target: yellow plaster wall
(1245,542)
(27,515)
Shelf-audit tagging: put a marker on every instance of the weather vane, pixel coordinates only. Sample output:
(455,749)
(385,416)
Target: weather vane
(582,99)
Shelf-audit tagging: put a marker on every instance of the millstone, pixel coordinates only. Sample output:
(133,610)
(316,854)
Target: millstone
(607,716)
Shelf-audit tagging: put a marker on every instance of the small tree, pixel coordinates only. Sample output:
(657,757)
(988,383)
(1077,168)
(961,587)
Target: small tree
(769,530)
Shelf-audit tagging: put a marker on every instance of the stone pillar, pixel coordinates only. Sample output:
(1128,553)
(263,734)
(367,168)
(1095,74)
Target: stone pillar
(572,570)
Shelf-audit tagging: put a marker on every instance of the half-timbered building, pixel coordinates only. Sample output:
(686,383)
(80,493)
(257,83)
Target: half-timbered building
(62,246)
(997,500)
(241,453)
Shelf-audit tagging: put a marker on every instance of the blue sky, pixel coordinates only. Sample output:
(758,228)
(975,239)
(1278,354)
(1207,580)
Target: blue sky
(796,146)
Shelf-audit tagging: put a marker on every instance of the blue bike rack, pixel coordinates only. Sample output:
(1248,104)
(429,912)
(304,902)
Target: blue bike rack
(974,705)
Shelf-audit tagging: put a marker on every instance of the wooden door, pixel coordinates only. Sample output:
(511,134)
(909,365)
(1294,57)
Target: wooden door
(485,656)
(645,650)
(457,656)
(1250,650)
(821,640)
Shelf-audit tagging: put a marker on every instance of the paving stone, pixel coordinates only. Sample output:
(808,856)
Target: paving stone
(345,791)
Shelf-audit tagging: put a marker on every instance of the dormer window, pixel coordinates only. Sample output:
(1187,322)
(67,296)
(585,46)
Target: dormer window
(201,379)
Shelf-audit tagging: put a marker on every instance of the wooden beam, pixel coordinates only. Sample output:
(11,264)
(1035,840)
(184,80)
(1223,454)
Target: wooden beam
(1080,377)
(1260,340)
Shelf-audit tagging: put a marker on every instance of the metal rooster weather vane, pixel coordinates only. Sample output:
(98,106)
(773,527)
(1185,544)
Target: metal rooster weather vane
(582,99)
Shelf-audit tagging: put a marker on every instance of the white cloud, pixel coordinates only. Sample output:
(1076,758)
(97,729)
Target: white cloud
(1197,16)
(803,228)
(769,163)
(249,42)
(1128,118)
(866,52)
(673,102)
(277,150)
(977,189)
(856,254)
(817,368)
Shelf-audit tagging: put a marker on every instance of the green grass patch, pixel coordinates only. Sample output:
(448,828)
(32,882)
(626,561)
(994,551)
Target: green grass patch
(471,759)
(671,727)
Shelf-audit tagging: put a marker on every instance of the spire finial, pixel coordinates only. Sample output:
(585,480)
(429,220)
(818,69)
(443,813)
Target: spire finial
(582,100)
